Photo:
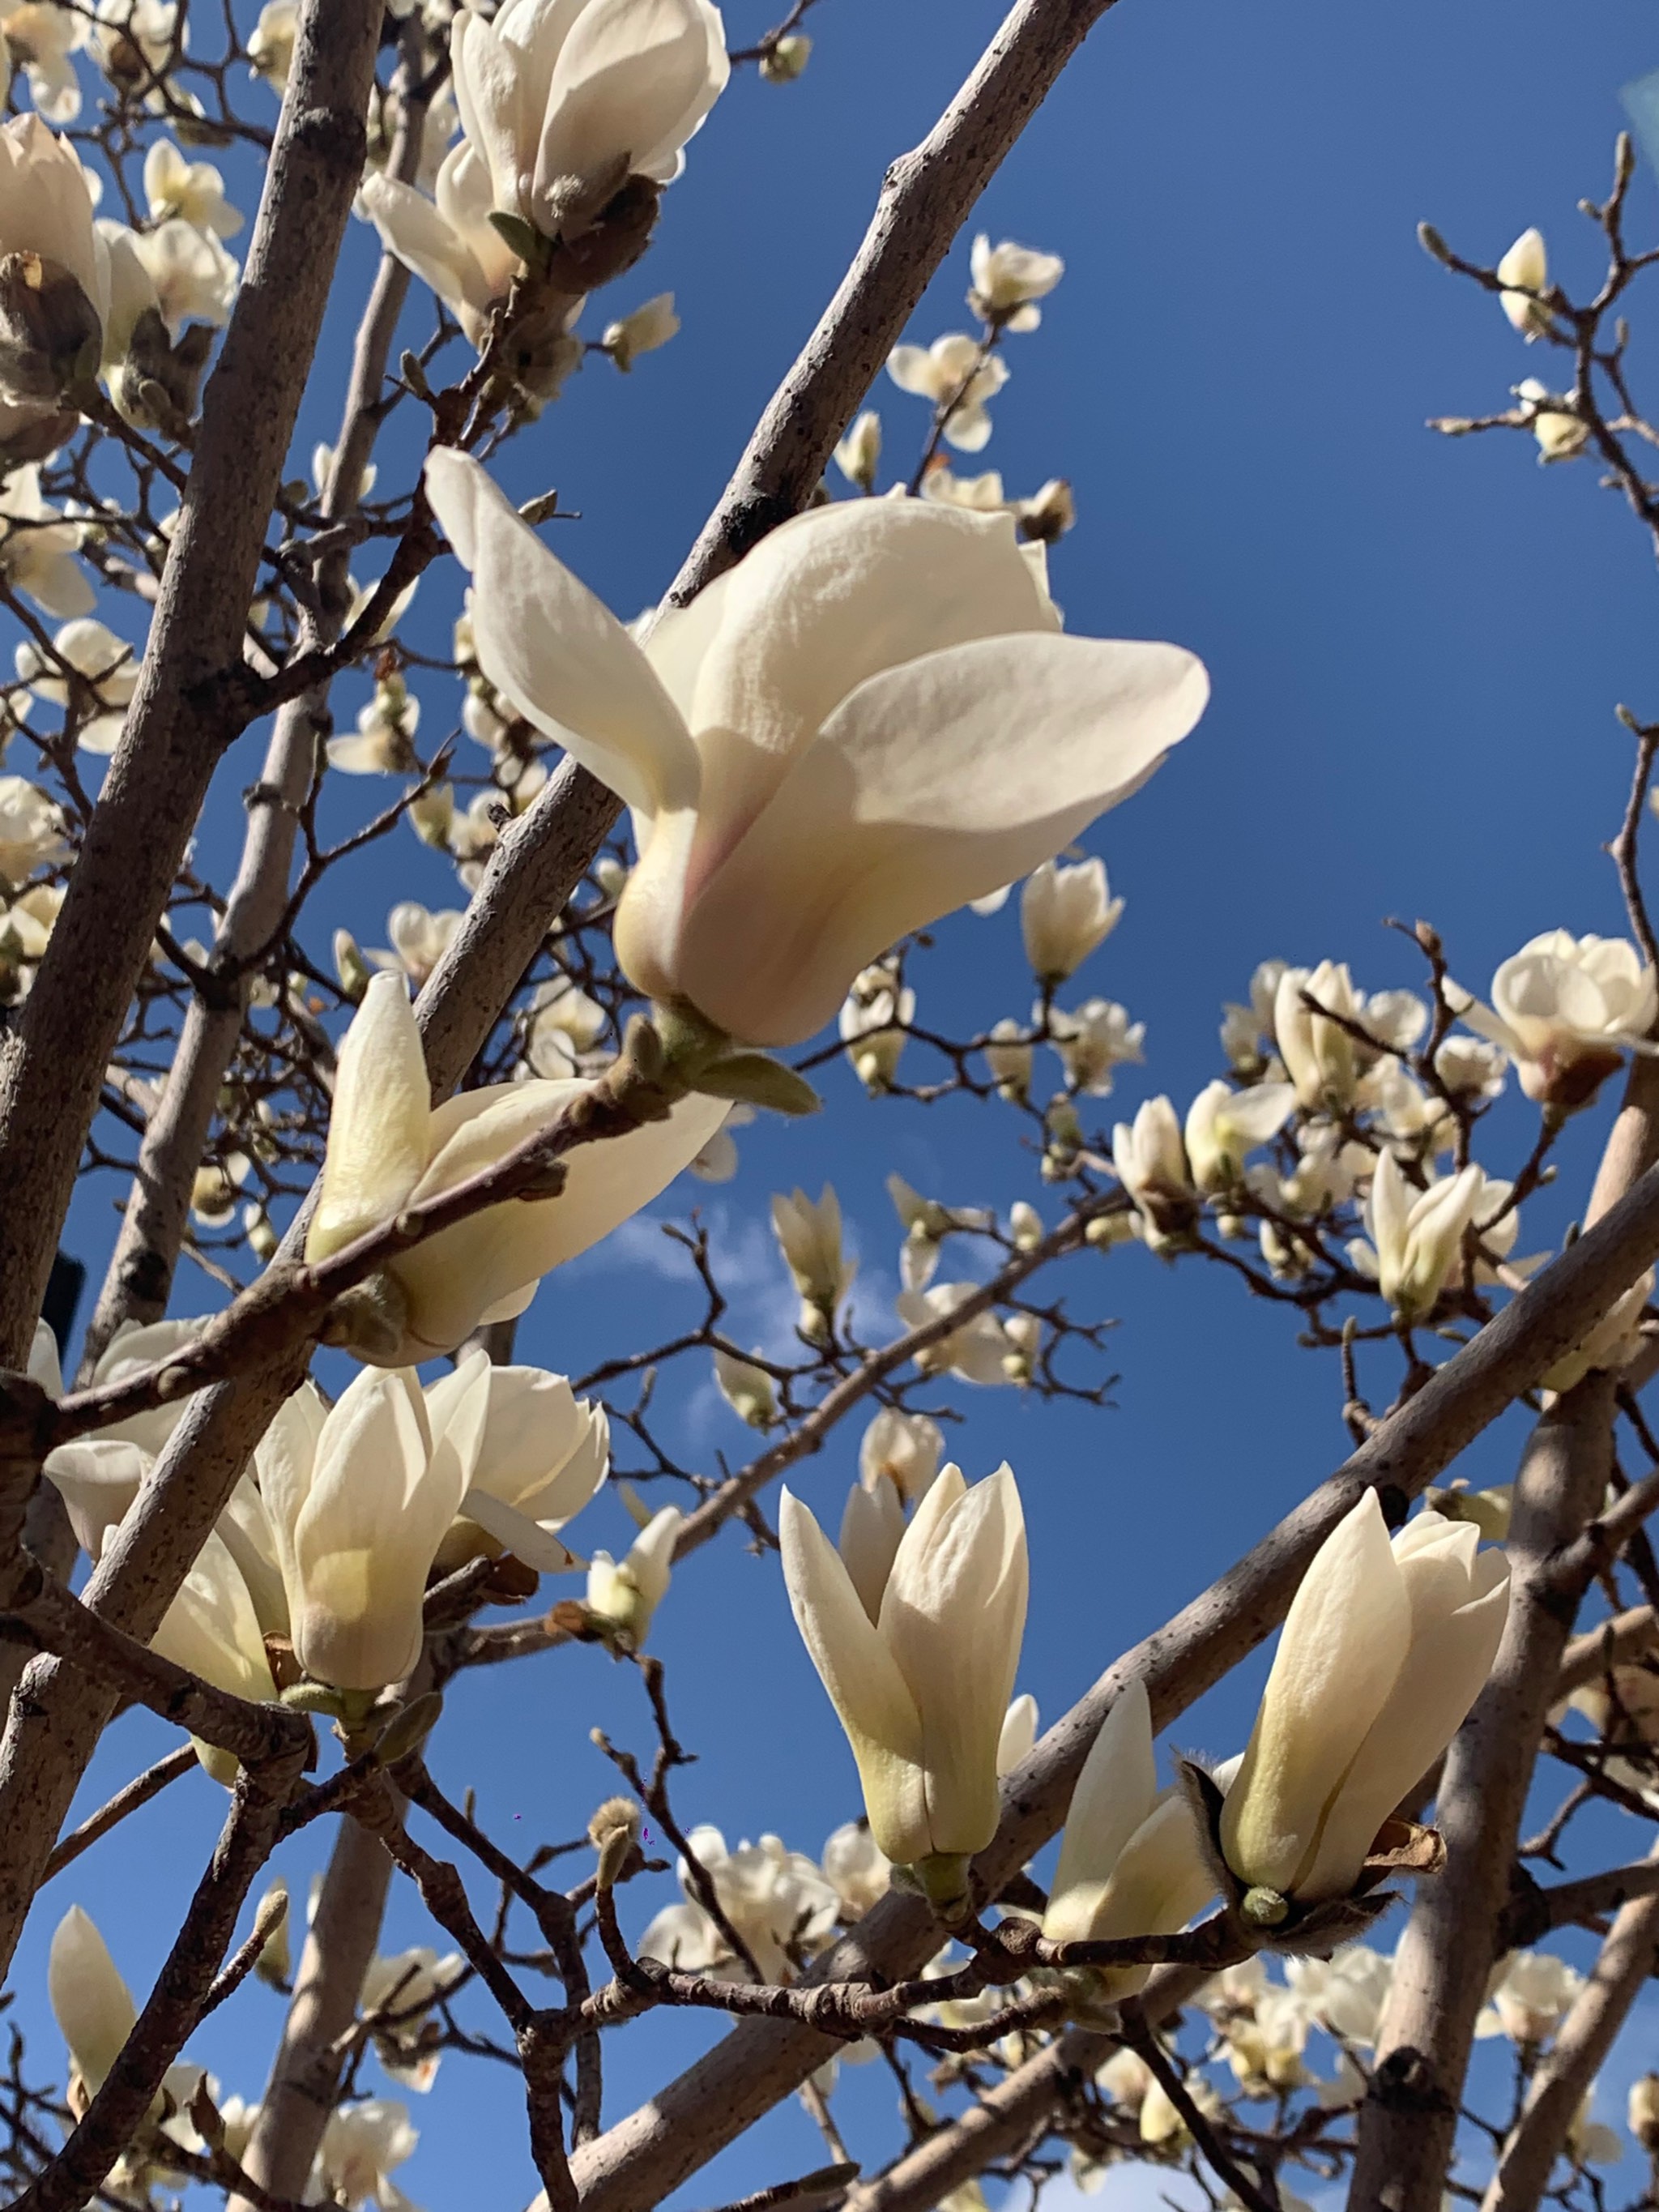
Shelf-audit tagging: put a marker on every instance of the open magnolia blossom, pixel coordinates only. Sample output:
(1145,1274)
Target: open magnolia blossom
(107,667)
(868,721)
(1223,1124)
(360,1496)
(361,2146)
(1131,1861)
(54,268)
(1319,1054)
(922,1689)
(388,1148)
(858,1869)
(1565,1008)
(903,1449)
(1151,1161)
(626,1593)
(1527,1998)
(783,1907)
(38,547)
(1385,1648)
(558,105)
(541,1454)
(406,1985)
(1064,915)
(1416,1236)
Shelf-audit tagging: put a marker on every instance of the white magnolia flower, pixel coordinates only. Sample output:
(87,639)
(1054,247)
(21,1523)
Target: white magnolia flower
(865,723)
(56,289)
(361,2146)
(1385,1648)
(136,40)
(1093,1041)
(360,1496)
(31,830)
(1564,1008)
(922,1691)
(626,1594)
(747,1390)
(1150,1160)
(420,939)
(406,1985)
(1131,1862)
(643,331)
(1018,1735)
(213,1628)
(271,42)
(389,1148)
(1560,433)
(873,1019)
(718,1160)
(1528,1997)
(1416,1236)
(92,2004)
(108,667)
(810,1237)
(1320,1056)
(1064,915)
(1526,265)
(1642,2111)
(1009,1059)
(984,1350)
(195,278)
(539,1455)
(1470,1067)
(38,548)
(1007,278)
(384,743)
(1345,1994)
(556,106)
(858,454)
(779,1904)
(193,191)
(857,1869)
(1223,1124)
(903,1450)
(565,1025)
(1611,1343)
(981,495)
(956,373)
(40,36)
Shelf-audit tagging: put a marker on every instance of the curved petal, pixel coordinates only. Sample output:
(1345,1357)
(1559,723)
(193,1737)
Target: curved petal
(872,1529)
(1451,1658)
(378,1131)
(536,1548)
(864,1683)
(1344,1640)
(98,1479)
(953,1615)
(491,84)
(1114,1793)
(931,785)
(630,78)
(92,2005)
(415,233)
(211,1627)
(560,656)
(455,1278)
(822,603)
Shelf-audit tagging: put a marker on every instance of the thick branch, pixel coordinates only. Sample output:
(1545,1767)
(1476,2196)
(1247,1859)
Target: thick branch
(695,2116)
(1446,1955)
(1584,2041)
(52,1062)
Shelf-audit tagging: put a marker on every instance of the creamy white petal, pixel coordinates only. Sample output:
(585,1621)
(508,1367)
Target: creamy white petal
(556,652)
(378,1131)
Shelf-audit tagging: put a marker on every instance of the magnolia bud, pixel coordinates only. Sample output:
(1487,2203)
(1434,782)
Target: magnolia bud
(49,333)
(350,965)
(431,813)
(858,453)
(784,61)
(1643,2112)
(613,1831)
(159,382)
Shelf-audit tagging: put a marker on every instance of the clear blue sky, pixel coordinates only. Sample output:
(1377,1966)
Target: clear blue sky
(1416,649)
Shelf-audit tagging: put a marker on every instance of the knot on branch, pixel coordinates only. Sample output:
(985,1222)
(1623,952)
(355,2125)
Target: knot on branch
(332,137)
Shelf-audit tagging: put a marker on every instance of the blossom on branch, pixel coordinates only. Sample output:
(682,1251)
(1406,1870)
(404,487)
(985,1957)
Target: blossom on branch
(864,724)
(922,1689)
(1565,1009)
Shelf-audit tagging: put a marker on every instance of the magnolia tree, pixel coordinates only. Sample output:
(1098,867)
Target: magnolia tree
(857,712)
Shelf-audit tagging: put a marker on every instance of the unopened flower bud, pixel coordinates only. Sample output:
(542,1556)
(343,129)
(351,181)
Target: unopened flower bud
(1525,264)
(613,1831)
(1024,1225)
(431,813)
(1010,1063)
(261,1237)
(1109,1229)
(350,965)
(784,62)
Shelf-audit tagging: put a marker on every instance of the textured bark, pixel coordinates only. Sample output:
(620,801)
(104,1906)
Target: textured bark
(1409,2120)
(52,1058)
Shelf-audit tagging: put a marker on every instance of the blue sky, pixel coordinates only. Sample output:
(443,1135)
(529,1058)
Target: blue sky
(1416,649)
